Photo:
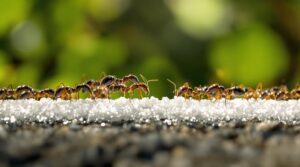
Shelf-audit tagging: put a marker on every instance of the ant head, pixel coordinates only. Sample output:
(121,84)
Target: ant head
(186,84)
(241,86)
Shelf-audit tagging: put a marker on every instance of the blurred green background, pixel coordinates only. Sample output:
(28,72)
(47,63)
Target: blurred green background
(45,43)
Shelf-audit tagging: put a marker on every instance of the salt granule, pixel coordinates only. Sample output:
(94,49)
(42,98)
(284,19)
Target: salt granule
(138,110)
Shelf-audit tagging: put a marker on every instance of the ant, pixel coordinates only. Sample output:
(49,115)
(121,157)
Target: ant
(118,88)
(215,91)
(3,93)
(24,92)
(185,90)
(8,93)
(23,88)
(282,95)
(26,95)
(102,92)
(295,93)
(64,92)
(199,92)
(130,77)
(276,93)
(108,80)
(84,88)
(254,93)
(45,93)
(141,86)
(268,94)
(93,84)
(11,94)
(235,92)
(111,79)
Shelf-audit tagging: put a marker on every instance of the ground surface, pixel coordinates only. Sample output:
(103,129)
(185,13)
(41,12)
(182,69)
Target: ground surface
(250,143)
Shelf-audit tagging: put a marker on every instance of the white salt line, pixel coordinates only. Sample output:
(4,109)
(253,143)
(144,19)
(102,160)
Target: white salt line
(180,109)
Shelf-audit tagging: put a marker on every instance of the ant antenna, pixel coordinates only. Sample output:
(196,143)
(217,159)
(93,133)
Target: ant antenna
(147,81)
(242,85)
(83,78)
(103,74)
(259,86)
(60,85)
(173,85)
(10,86)
(232,84)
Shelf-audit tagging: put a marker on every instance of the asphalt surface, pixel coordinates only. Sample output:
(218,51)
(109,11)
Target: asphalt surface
(151,143)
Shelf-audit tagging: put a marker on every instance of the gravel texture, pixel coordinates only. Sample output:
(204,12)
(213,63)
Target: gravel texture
(121,144)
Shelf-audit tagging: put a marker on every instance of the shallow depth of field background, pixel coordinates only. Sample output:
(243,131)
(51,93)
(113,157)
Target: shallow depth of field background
(45,43)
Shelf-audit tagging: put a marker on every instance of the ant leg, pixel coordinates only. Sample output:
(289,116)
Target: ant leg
(227,97)
(92,96)
(140,93)
(69,97)
(131,94)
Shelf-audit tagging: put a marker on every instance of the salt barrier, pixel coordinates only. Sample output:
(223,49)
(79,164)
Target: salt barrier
(148,109)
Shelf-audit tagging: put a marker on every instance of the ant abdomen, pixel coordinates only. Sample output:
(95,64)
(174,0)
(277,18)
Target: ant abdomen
(132,78)
(107,80)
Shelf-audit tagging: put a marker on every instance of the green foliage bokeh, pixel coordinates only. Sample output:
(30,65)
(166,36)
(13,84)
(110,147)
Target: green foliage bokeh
(45,43)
